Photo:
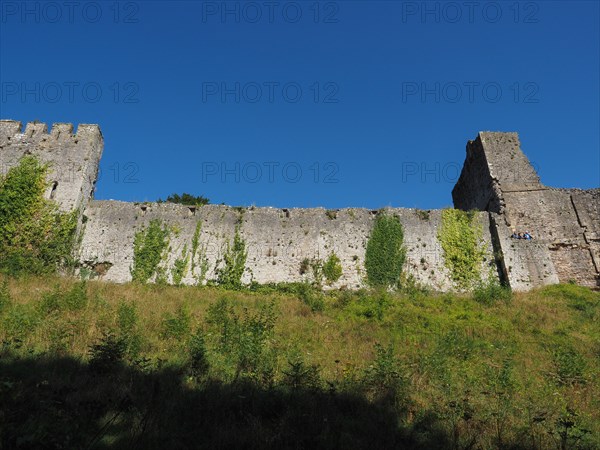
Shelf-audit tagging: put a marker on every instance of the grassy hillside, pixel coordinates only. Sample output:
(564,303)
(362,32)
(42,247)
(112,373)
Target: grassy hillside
(98,365)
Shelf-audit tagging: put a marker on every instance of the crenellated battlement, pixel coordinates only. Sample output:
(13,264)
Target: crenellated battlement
(9,128)
(12,131)
(73,158)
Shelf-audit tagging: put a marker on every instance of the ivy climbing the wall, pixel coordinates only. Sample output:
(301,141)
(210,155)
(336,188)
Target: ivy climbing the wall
(149,248)
(385,253)
(199,250)
(332,268)
(234,259)
(460,236)
(35,237)
(179,269)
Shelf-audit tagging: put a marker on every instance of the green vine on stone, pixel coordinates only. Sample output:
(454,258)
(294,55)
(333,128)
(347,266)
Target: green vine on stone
(149,248)
(199,250)
(332,268)
(230,274)
(35,237)
(460,237)
(385,254)
(179,269)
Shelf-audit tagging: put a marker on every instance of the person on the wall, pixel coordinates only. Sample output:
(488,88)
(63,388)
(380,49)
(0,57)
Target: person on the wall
(527,235)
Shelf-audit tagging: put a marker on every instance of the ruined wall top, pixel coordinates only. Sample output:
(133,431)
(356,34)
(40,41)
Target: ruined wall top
(507,162)
(12,130)
(494,164)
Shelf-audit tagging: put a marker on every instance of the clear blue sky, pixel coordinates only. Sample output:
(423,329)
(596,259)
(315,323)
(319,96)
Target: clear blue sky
(202,97)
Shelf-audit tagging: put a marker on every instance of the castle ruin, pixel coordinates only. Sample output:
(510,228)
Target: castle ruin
(497,180)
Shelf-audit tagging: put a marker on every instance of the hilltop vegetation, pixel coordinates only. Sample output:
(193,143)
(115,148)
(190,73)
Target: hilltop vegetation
(186,199)
(148,366)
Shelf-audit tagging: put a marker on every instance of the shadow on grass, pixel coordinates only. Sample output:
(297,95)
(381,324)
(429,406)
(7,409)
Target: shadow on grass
(54,403)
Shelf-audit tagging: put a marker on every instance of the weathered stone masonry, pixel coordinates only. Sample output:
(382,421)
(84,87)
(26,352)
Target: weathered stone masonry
(497,179)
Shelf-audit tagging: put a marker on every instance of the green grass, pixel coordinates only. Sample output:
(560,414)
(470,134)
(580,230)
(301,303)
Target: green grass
(98,365)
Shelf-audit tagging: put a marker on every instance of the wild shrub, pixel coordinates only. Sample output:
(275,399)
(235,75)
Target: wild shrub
(51,301)
(107,354)
(423,214)
(18,322)
(311,296)
(499,386)
(490,292)
(300,375)
(317,271)
(304,266)
(34,236)
(332,269)
(60,338)
(457,343)
(198,361)
(372,305)
(177,326)
(569,366)
(569,433)
(245,339)
(412,288)
(460,237)
(5,298)
(385,379)
(127,328)
(344,297)
(385,254)
(127,318)
(149,247)
(186,199)
(74,299)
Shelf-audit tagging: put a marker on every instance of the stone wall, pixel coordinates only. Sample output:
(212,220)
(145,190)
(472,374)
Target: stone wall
(551,217)
(277,240)
(587,207)
(523,264)
(496,179)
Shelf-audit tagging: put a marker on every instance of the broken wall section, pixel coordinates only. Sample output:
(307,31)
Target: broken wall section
(494,165)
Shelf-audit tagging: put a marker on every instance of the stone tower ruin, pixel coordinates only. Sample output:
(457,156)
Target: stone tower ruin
(497,177)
